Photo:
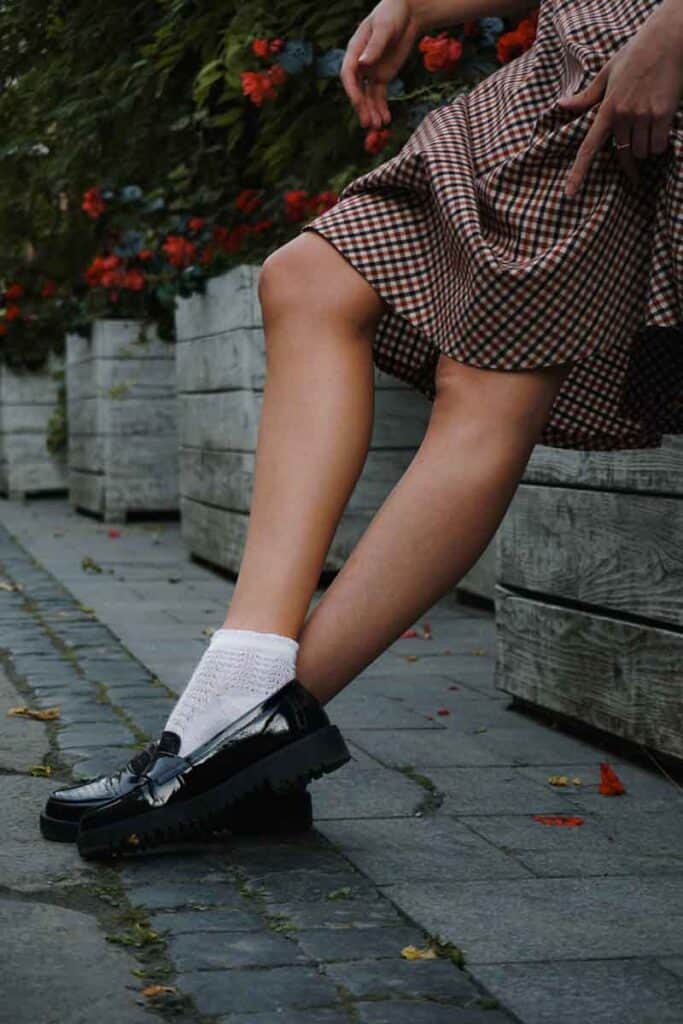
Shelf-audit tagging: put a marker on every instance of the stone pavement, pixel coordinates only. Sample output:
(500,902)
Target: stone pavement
(427,832)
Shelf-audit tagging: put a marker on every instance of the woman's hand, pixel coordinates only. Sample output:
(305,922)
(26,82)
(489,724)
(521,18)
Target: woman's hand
(639,90)
(376,51)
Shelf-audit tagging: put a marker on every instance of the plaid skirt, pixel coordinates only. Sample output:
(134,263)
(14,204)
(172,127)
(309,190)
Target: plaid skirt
(468,236)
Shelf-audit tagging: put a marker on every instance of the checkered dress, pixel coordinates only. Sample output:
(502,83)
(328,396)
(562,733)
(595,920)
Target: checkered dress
(468,236)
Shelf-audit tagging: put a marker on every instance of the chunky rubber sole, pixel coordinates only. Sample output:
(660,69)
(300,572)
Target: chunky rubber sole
(264,814)
(309,758)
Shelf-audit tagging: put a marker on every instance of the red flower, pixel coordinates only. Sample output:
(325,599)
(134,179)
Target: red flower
(248,200)
(48,289)
(323,201)
(277,74)
(14,292)
(610,783)
(134,280)
(260,47)
(296,204)
(257,85)
(179,252)
(93,203)
(230,239)
(13,312)
(376,140)
(196,223)
(276,45)
(262,225)
(441,53)
(144,255)
(512,44)
(207,254)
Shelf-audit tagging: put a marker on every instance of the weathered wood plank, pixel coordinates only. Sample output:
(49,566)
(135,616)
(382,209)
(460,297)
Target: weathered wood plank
(645,469)
(624,679)
(609,549)
(231,300)
(122,408)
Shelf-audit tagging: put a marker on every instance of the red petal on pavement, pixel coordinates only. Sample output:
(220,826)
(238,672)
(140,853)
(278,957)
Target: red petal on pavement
(568,820)
(610,783)
(443,711)
(409,634)
(113,532)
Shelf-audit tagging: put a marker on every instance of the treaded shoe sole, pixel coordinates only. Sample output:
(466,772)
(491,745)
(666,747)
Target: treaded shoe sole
(309,758)
(282,813)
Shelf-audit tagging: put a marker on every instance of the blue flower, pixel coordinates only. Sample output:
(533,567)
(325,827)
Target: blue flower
(131,193)
(491,28)
(328,65)
(131,243)
(295,55)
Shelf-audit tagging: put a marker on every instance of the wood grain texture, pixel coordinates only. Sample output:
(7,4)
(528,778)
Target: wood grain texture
(598,669)
(122,412)
(620,552)
(27,400)
(646,469)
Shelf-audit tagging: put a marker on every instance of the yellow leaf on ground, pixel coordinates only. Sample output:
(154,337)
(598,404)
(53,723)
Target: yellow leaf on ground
(6,585)
(43,771)
(42,714)
(558,780)
(157,990)
(577,782)
(415,953)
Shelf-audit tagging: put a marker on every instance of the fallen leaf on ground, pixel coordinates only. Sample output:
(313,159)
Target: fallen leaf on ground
(208,631)
(43,771)
(478,651)
(89,564)
(443,711)
(610,783)
(568,820)
(410,657)
(427,631)
(558,780)
(157,990)
(453,687)
(42,714)
(409,634)
(414,953)
(113,532)
(577,781)
(447,651)
(6,585)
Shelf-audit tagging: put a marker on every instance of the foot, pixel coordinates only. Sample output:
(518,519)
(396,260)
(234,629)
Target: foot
(265,812)
(284,741)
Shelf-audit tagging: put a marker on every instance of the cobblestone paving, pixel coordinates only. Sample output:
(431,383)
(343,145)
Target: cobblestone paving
(429,830)
(257,931)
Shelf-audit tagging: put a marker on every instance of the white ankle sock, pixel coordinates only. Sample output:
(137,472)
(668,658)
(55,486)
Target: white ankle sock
(239,669)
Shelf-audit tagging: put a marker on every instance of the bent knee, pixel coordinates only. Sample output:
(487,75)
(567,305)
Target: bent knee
(307,276)
(519,399)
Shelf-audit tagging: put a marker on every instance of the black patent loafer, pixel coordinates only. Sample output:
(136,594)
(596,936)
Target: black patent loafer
(65,807)
(284,741)
(266,812)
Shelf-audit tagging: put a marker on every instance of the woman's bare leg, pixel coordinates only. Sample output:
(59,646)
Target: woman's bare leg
(319,318)
(435,523)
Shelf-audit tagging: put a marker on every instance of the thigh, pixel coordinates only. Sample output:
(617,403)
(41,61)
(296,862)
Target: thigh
(310,274)
(506,396)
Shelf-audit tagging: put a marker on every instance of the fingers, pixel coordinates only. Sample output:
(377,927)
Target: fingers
(595,138)
(587,97)
(350,77)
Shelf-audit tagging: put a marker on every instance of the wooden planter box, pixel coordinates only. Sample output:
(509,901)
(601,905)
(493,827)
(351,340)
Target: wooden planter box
(590,597)
(122,411)
(27,401)
(221,373)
